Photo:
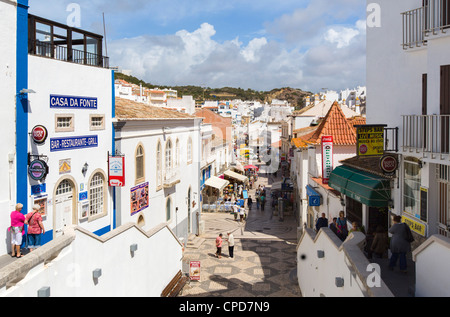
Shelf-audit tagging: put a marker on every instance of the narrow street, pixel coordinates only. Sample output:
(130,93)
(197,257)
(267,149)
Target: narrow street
(264,262)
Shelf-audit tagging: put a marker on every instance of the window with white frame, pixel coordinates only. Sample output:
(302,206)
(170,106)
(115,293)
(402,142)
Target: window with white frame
(158,164)
(189,150)
(168,165)
(177,153)
(411,188)
(97,195)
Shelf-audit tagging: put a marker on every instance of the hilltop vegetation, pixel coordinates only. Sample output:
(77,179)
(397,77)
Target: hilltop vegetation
(292,95)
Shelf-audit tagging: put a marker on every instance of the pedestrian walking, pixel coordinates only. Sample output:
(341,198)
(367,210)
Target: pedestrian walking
(241,213)
(219,242)
(399,244)
(322,222)
(380,242)
(258,201)
(17,230)
(342,229)
(230,241)
(263,201)
(249,202)
(35,228)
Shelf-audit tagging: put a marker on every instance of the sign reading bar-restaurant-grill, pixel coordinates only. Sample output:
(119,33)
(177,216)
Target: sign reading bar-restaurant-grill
(370,139)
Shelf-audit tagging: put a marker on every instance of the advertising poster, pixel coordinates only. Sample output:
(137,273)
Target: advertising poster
(327,158)
(194,270)
(139,198)
(370,140)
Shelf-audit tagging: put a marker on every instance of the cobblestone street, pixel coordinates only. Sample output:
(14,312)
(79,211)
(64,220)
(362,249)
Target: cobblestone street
(264,262)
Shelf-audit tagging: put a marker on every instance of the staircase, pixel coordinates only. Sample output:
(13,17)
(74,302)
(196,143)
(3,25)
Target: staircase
(194,241)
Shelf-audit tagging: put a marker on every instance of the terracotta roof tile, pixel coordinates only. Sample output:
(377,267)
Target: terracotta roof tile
(128,109)
(334,124)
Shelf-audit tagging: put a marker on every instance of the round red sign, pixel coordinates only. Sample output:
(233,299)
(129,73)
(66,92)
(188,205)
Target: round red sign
(363,149)
(388,163)
(39,134)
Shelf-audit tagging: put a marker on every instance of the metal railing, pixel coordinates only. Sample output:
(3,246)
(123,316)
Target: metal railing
(428,134)
(413,28)
(431,19)
(62,53)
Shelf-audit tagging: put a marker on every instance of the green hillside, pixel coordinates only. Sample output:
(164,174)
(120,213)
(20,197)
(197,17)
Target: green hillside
(292,95)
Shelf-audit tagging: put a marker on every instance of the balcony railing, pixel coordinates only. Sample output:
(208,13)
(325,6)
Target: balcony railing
(431,19)
(62,53)
(171,177)
(428,134)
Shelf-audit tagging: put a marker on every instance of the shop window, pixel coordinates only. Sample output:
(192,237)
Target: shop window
(353,210)
(411,188)
(64,123)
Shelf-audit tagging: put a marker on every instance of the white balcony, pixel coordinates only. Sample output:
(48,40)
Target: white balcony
(427,134)
(171,177)
(421,24)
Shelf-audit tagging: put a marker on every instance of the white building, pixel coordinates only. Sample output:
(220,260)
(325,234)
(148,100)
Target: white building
(162,161)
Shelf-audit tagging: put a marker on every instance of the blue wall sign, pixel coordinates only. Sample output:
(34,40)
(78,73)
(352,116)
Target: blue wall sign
(57,101)
(313,197)
(82,196)
(72,143)
(38,189)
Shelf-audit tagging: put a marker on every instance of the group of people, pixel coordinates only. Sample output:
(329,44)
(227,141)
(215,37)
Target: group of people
(260,197)
(17,229)
(378,242)
(219,242)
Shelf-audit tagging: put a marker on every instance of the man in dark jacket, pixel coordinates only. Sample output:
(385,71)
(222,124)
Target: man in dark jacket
(399,244)
(321,222)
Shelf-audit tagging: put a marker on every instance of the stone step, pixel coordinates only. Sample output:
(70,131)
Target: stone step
(194,241)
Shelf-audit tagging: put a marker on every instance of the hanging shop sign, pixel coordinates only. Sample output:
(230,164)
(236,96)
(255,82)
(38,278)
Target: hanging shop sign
(116,171)
(38,169)
(73,143)
(39,134)
(370,140)
(58,101)
(388,164)
(327,158)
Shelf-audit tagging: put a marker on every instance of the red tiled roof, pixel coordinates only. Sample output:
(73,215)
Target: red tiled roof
(334,124)
(128,109)
(222,126)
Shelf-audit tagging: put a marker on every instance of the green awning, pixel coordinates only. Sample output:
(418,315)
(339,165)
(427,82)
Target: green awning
(367,188)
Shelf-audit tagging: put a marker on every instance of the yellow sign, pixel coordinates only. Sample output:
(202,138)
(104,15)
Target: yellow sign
(414,225)
(370,140)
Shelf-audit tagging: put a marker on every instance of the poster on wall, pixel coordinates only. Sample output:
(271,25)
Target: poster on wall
(327,157)
(42,202)
(139,198)
(370,140)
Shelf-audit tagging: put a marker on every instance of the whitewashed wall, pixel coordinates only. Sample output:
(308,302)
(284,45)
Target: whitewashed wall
(317,276)
(148,133)
(51,77)
(142,273)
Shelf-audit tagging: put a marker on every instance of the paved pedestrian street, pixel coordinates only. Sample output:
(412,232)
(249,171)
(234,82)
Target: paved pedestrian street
(264,262)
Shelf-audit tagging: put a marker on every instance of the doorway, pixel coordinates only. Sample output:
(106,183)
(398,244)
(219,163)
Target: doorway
(64,210)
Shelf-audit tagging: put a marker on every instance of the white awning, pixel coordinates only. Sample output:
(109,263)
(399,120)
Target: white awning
(239,177)
(216,182)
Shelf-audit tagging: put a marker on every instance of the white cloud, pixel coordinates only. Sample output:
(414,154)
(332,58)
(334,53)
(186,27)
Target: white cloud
(250,52)
(341,36)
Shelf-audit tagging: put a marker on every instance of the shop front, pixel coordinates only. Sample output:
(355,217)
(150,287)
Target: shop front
(367,196)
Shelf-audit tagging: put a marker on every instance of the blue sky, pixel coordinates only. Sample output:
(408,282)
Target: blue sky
(257,44)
